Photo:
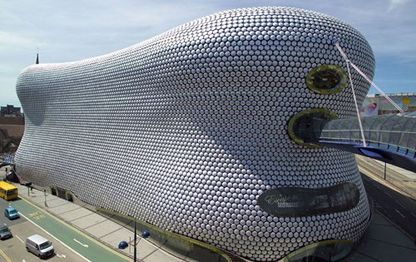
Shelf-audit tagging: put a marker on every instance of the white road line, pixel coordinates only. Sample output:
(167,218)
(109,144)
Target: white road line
(400,204)
(4,256)
(54,237)
(82,244)
(399,213)
(389,194)
(61,256)
(21,240)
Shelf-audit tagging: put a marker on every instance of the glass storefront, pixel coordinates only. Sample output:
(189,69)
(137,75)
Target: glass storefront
(328,250)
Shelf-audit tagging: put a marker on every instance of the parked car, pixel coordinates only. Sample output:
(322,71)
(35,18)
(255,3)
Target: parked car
(11,213)
(39,246)
(5,232)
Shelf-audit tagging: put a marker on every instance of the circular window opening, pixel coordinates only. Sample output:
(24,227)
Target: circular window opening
(326,79)
(305,127)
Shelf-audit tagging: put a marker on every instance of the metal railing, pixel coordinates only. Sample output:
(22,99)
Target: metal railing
(391,132)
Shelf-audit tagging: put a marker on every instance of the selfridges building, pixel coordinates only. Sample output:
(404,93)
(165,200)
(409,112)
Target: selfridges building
(189,130)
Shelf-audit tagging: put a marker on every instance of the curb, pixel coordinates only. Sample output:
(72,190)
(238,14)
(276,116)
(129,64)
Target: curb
(125,256)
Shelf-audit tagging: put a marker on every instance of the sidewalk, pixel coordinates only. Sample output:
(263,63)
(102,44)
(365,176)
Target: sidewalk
(397,178)
(98,227)
(384,241)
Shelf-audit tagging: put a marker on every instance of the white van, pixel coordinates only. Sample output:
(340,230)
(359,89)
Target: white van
(39,246)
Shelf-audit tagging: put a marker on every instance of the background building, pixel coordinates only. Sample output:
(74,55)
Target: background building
(12,126)
(378,105)
(10,111)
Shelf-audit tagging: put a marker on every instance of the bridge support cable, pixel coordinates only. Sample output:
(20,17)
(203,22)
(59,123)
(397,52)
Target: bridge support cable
(367,78)
(378,89)
(347,61)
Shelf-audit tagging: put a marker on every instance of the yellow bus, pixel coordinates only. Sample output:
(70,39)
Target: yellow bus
(8,191)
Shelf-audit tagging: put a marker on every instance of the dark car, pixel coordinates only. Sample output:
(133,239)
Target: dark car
(5,232)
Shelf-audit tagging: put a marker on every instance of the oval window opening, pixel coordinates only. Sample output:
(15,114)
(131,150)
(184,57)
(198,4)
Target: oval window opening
(326,79)
(305,127)
(300,201)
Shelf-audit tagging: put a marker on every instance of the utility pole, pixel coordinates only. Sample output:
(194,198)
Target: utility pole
(385,170)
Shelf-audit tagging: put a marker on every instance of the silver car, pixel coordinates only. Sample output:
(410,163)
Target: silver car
(39,246)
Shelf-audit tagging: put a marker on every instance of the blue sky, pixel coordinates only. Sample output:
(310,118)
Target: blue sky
(72,30)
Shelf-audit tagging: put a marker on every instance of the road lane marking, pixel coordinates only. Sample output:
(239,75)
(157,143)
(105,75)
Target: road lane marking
(79,231)
(82,244)
(400,204)
(21,240)
(399,213)
(389,194)
(37,215)
(61,256)
(5,256)
(44,230)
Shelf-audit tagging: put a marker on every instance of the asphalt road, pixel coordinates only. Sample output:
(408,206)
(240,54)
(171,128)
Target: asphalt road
(397,207)
(70,244)
(14,248)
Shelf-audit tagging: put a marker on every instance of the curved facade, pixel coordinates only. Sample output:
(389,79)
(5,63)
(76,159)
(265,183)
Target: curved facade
(188,129)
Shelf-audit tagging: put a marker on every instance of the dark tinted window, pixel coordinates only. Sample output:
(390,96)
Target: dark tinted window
(326,79)
(4,229)
(45,245)
(298,201)
(305,127)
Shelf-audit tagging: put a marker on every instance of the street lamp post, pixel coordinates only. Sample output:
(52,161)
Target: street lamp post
(44,191)
(144,234)
(135,241)
(28,185)
(385,170)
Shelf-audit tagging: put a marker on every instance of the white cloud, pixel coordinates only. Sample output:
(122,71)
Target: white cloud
(72,30)
(394,4)
(15,40)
